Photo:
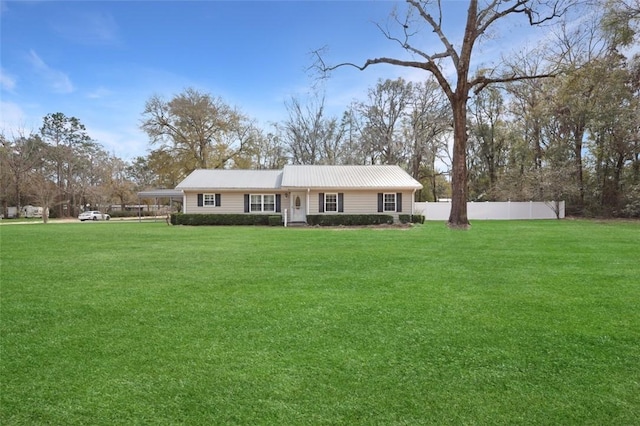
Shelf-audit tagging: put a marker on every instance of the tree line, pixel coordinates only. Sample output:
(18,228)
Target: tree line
(573,134)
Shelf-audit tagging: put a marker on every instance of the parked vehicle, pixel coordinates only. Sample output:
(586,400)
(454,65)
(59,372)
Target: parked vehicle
(12,212)
(93,215)
(31,211)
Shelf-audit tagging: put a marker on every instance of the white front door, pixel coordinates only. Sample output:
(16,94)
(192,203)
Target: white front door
(298,207)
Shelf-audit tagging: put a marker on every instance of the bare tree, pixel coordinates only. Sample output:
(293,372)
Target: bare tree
(266,152)
(426,128)
(479,20)
(19,156)
(382,116)
(121,188)
(354,150)
(527,103)
(311,136)
(42,183)
(44,192)
(488,141)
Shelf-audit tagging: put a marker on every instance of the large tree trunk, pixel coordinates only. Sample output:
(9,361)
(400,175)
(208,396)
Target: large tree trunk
(578,136)
(458,99)
(458,216)
(636,165)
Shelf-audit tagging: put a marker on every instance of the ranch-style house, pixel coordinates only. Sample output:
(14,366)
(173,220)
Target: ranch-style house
(297,191)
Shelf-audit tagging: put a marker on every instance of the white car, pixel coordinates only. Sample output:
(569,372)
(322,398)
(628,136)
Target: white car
(93,215)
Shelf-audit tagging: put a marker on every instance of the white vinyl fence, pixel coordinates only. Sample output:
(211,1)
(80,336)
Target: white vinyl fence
(494,210)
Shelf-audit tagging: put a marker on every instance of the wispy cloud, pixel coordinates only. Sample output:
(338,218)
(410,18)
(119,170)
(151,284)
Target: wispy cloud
(58,81)
(7,82)
(89,28)
(99,93)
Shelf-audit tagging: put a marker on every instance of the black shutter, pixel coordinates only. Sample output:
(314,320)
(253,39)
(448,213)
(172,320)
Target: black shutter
(321,202)
(218,200)
(380,201)
(278,203)
(340,202)
(399,202)
(200,200)
(246,203)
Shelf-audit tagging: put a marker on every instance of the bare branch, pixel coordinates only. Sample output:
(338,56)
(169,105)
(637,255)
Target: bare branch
(437,28)
(427,66)
(479,83)
(404,43)
(488,15)
(484,12)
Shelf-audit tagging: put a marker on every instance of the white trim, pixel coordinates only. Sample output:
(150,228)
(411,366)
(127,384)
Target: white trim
(325,202)
(262,203)
(212,196)
(384,202)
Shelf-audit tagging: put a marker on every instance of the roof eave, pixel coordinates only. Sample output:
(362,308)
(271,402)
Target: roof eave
(353,188)
(241,189)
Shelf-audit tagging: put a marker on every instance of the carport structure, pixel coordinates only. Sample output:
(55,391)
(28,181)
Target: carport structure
(156,194)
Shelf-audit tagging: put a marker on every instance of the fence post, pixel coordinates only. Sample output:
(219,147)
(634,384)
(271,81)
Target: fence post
(530,209)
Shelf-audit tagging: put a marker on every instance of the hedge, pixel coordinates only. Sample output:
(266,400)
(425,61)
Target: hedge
(349,219)
(121,213)
(275,220)
(411,218)
(222,219)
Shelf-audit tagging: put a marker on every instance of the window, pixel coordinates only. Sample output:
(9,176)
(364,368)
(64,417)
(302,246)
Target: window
(209,200)
(389,202)
(263,202)
(256,203)
(269,203)
(330,202)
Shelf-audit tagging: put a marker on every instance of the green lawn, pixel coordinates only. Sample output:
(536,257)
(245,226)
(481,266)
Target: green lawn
(523,322)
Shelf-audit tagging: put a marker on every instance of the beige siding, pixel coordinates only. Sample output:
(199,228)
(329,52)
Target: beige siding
(361,202)
(355,202)
(230,203)
(407,202)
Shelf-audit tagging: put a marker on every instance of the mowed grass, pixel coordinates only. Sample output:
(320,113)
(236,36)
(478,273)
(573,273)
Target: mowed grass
(532,322)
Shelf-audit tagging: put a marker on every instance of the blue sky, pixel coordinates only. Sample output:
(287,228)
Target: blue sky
(101,61)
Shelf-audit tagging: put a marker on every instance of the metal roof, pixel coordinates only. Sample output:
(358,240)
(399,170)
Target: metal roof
(231,179)
(160,193)
(302,177)
(353,177)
